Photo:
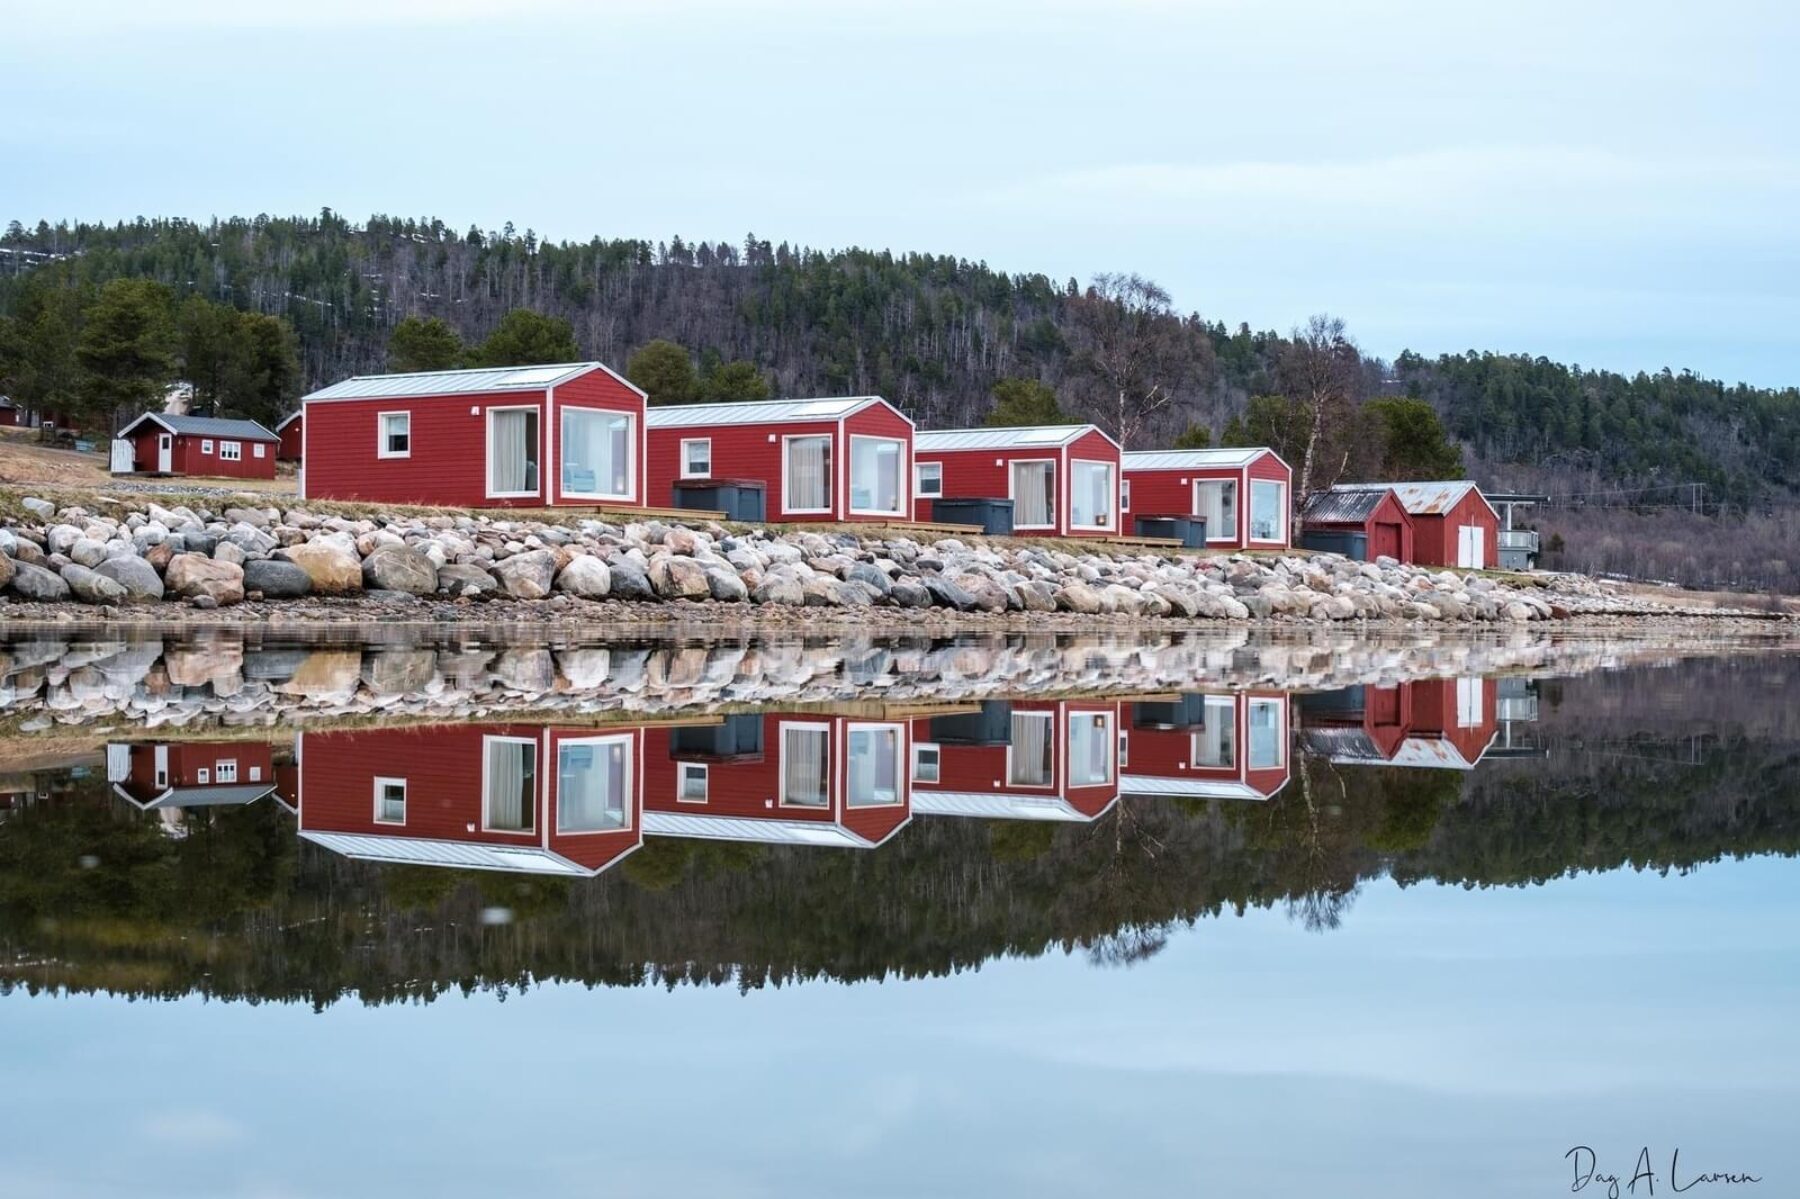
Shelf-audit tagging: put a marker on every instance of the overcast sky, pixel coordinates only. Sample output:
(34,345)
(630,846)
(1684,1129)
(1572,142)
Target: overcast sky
(1610,183)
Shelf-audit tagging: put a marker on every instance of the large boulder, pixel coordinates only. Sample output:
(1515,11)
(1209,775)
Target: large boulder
(725,586)
(333,569)
(946,594)
(399,568)
(6,571)
(585,576)
(465,578)
(191,576)
(276,578)
(868,572)
(528,575)
(779,589)
(679,578)
(91,587)
(36,583)
(629,582)
(1077,596)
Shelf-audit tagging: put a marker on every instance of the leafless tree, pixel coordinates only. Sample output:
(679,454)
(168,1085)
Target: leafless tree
(1321,373)
(1132,349)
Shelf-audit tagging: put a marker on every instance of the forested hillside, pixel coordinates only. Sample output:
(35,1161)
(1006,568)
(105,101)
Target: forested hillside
(932,333)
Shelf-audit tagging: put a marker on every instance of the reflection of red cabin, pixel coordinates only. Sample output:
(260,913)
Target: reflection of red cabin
(1018,761)
(191,774)
(1242,493)
(783,779)
(1442,723)
(528,798)
(1063,480)
(291,430)
(1227,746)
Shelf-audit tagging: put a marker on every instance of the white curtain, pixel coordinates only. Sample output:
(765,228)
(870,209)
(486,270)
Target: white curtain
(514,451)
(874,475)
(809,473)
(1034,493)
(804,762)
(1090,750)
(592,784)
(874,767)
(1031,765)
(509,772)
(1216,502)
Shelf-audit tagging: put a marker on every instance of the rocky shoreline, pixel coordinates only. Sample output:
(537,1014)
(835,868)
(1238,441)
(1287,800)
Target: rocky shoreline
(140,561)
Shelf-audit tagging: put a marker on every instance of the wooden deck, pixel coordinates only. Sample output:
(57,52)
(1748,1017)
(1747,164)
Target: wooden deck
(606,511)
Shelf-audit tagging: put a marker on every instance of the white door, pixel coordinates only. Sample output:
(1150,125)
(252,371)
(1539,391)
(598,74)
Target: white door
(165,453)
(1470,705)
(1471,546)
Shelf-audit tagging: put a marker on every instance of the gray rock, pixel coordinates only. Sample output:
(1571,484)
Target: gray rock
(1076,596)
(398,599)
(87,552)
(629,582)
(528,575)
(679,578)
(779,590)
(399,568)
(725,585)
(465,578)
(946,594)
(44,508)
(227,551)
(35,583)
(870,574)
(276,578)
(136,576)
(91,587)
(909,593)
(585,576)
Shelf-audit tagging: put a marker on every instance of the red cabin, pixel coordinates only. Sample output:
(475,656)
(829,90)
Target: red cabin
(1242,494)
(528,798)
(1018,761)
(1453,523)
(166,444)
(1202,746)
(1446,724)
(290,430)
(9,413)
(192,774)
(1374,513)
(1063,480)
(786,779)
(521,437)
(843,459)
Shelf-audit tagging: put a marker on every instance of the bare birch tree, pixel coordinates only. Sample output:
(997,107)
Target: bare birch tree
(1134,350)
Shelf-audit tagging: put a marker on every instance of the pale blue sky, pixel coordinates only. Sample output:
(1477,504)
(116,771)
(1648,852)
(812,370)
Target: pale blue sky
(1613,183)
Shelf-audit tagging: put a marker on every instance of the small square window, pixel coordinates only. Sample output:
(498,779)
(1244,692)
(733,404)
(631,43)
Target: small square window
(225,772)
(692,785)
(927,760)
(390,801)
(395,437)
(256,774)
(928,479)
(206,445)
(203,777)
(696,458)
(259,450)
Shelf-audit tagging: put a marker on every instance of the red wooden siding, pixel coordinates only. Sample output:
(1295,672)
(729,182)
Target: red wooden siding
(1168,752)
(292,438)
(1388,528)
(987,474)
(254,762)
(986,769)
(187,458)
(1170,492)
(1435,536)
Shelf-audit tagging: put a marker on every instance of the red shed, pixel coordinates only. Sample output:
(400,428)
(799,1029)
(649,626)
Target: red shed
(1063,480)
(192,774)
(1373,512)
(1055,760)
(519,437)
(1243,494)
(166,444)
(1445,724)
(1207,746)
(1453,523)
(526,798)
(9,413)
(292,437)
(844,459)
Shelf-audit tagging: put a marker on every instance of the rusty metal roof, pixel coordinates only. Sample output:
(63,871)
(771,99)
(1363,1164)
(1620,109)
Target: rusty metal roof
(1424,499)
(1342,505)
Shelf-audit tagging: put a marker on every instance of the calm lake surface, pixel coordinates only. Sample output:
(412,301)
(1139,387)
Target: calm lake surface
(995,915)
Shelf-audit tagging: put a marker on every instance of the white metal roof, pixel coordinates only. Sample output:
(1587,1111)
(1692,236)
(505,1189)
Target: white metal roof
(987,805)
(227,795)
(427,851)
(1425,499)
(1002,438)
(740,828)
(1143,784)
(1193,459)
(464,382)
(757,412)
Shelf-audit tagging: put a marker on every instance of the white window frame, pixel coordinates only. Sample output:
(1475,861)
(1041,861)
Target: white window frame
(487,452)
(898,733)
(1110,724)
(685,771)
(259,449)
(631,454)
(1237,509)
(1228,708)
(1049,719)
(630,783)
(1280,706)
(900,470)
(203,777)
(381,435)
(225,771)
(256,774)
(934,775)
(1012,479)
(537,763)
(1471,703)
(781,774)
(1112,515)
(206,445)
(231,451)
(1281,509)
(936,471)
(830,474)
(382,783)
(1124,495)
(687,469)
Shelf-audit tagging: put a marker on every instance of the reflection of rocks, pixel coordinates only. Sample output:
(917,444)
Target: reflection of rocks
(398,671)
(198,665)
(325,674)
(525,669)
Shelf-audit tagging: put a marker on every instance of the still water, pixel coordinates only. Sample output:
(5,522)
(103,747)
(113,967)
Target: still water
(997,915)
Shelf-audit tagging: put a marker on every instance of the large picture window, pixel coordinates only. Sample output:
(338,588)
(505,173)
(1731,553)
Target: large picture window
(874,766)
(1215,741)
(1215,502)
(875,466)
(807,483)
(805,766)
(509,785)
(1268,511)
(1091,505)
(513,452)
(598,452)
(1091,750)
(593,785)
(1034,495)
(1266,749)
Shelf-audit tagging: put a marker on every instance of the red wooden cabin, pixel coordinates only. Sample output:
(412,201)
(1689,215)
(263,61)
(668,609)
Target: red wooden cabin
(846,459)
(528,436)
(1063,480)
(191,774)
(1054,760)
(9,413)
(291,430)
(166,444)
(1453,523)
(1374,512)
(785,779)
(1244,495)
(1205,746)
(1444,724)
(529,798)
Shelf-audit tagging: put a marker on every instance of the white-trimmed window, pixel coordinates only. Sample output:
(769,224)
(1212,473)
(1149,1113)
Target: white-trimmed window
(691,780)
(1092,753)
(593,785)
(927,764)
(806,474)
(390,801)
(873,765)
(513,446)
(1213,746)
(1268,510)
(877,474)
(225,771)
(1471,703)
(206,445)
(203,777)
(1030,751)
(1124,495)
(1215,502)
(1091,498)
(1034,494)
(599,454)
(1124,748)
(928,480)
(805,765)
(256,774)
(258,450)
(1268,747)
(696,458)
(393,437)
(509,784)
(231,451)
